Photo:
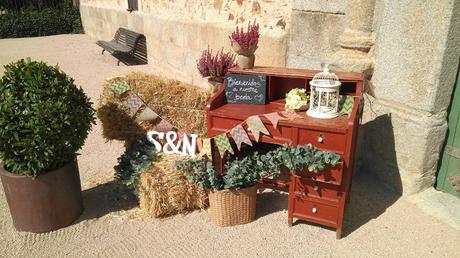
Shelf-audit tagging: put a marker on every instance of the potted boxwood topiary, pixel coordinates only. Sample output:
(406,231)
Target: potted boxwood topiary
(44,121)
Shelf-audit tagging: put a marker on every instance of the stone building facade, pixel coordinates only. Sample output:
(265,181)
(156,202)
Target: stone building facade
(408,49)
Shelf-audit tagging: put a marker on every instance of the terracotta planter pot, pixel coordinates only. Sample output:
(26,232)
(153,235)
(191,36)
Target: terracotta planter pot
(233,207)
(48,202)
(215,83)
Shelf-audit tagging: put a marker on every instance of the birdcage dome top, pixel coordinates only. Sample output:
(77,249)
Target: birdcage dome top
(325,78)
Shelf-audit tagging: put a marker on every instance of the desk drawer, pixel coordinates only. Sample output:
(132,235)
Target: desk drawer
(317,191)
(323,140)
(330,175)
(316,212)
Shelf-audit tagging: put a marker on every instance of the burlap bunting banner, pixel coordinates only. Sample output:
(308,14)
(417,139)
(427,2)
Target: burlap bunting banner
(239,135)
(133,103)
(346,104)
(206,148)
(223,144)
(164,126)
(146,115)
(256,126)
(119,87)
(274,118)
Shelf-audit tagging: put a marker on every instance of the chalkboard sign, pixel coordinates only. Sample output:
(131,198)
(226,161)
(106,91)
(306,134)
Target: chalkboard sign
(246,88)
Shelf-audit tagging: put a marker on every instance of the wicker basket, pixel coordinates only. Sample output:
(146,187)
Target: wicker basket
(233,207)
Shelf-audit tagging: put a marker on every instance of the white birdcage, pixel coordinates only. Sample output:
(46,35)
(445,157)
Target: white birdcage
(324,95)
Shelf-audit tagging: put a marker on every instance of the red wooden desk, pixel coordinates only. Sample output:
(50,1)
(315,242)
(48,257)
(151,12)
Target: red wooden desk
(318,198)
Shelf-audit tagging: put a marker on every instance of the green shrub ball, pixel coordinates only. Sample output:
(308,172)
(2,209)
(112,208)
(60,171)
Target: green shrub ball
(44,118)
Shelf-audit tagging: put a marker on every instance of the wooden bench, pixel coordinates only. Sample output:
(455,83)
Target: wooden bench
(123,44)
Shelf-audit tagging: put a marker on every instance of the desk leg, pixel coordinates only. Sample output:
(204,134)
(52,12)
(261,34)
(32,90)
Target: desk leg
(217,160)
(291,200)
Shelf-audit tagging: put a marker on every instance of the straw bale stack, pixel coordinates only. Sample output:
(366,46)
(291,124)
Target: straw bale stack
(183,105)
(164,190)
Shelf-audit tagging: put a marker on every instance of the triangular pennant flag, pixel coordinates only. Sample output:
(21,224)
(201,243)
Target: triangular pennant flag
(256,126)
(239,135)
(223,144)
(199,145)
(346,104)
(146,115)
(164,126)
(274,118)
(119,87)
(133,103)
(180,135)
(206,148)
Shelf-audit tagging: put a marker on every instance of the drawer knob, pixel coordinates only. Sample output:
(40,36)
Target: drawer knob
(314,210)
(315,188)
(320,139)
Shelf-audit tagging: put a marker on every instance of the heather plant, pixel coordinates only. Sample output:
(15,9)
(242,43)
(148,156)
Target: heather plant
(246,40)
(210,65)
(44,118)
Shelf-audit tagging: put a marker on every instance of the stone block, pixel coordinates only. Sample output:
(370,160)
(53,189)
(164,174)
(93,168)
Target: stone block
(136,22)
(272,49)
(153,26)
(323,6)
(401,146)
(410,49)
(313,38)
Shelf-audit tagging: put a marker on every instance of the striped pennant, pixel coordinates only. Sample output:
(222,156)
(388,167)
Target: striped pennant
(223,144)
(256,126)
(164,126)
(346,104)
(133,103)
(239,135)
(119,87)
(206,148)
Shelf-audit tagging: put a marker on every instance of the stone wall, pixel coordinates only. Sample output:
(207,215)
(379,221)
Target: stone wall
(409,51)
(177,31)
(315,31)
(416,60)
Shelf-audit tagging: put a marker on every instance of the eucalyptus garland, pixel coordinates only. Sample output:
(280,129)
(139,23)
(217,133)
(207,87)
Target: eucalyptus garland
(247,171)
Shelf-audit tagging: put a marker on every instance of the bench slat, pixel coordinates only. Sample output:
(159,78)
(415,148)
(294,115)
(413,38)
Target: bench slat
(124,41)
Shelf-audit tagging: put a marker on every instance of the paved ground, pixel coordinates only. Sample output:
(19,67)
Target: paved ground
(378,223)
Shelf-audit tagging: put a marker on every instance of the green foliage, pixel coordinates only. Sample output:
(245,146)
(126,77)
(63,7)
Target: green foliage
(242,173)
(31,22)
(44,118)
(137,158)
(300,157)
(247,171)
(201,173)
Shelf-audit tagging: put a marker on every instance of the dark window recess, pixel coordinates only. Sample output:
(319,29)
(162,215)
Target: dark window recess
(133,5)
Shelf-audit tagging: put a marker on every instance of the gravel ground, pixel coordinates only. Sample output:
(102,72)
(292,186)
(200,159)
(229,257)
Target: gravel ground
(378,223)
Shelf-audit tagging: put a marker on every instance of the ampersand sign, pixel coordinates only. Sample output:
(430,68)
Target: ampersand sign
(170,147)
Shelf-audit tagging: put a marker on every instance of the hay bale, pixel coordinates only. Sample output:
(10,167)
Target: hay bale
(164,190)
(181,104)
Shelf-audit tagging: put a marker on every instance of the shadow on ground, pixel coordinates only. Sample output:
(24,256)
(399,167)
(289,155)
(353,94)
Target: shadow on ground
(271,201)
(376,183)
(104,199)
